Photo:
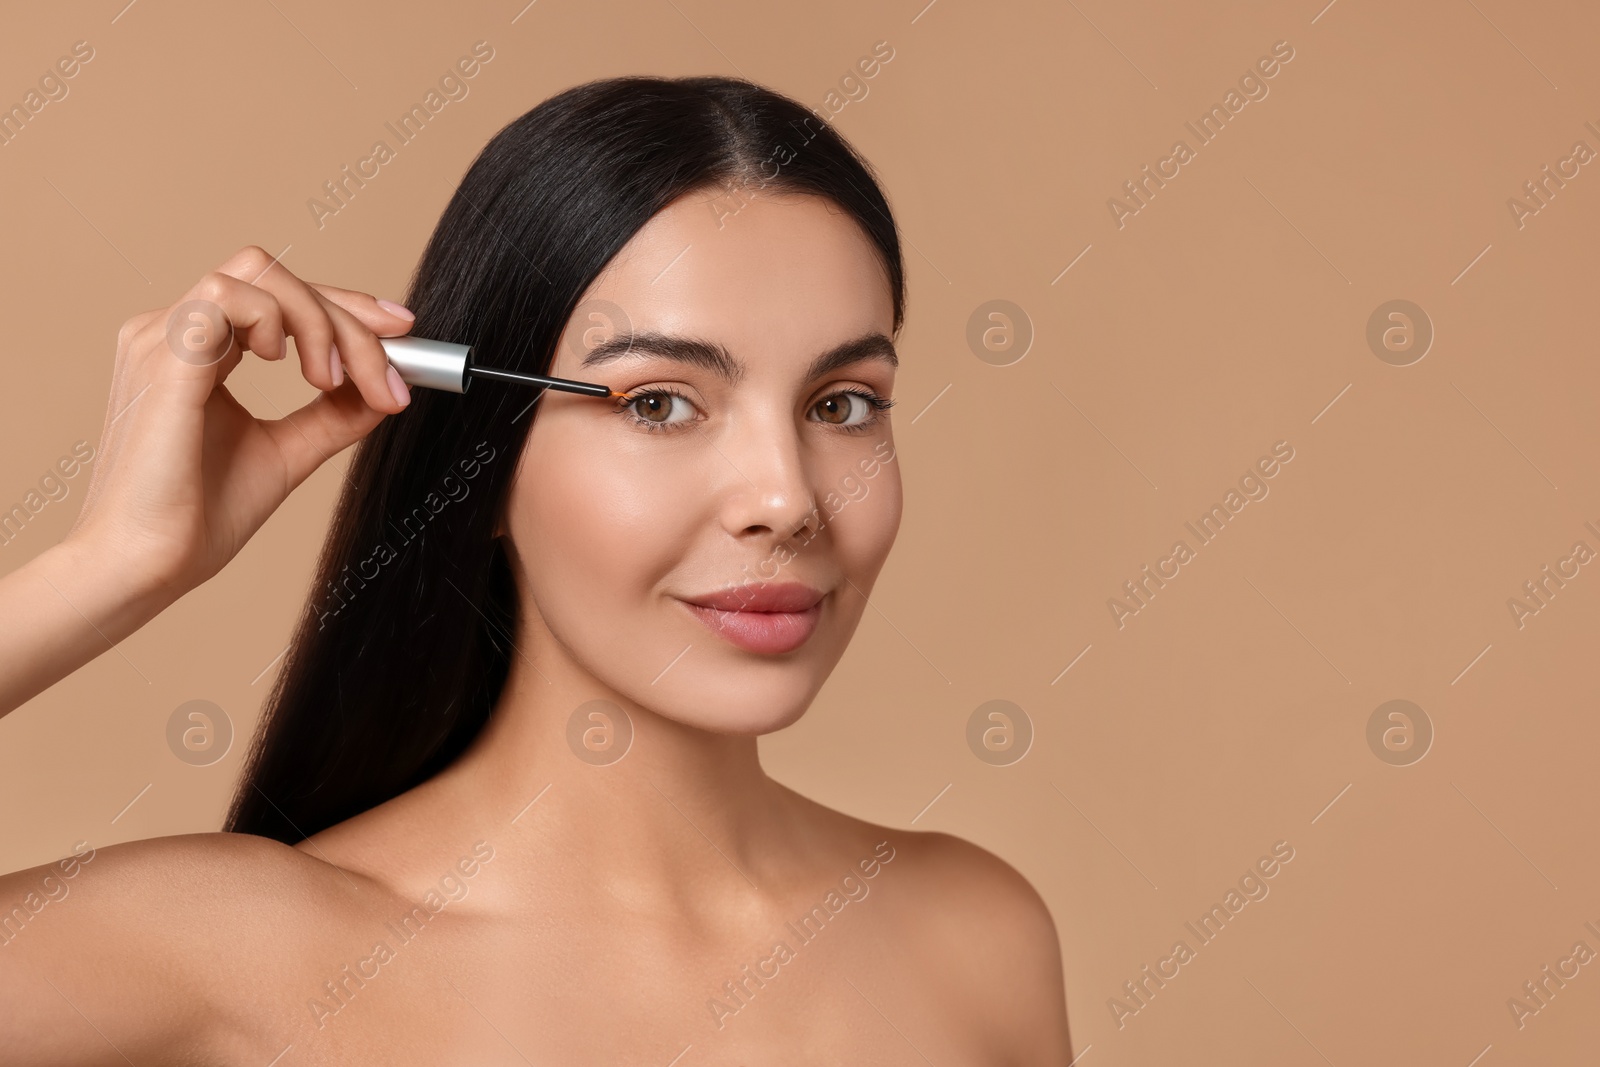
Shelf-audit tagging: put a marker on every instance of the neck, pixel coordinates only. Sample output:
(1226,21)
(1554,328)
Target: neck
(651,805)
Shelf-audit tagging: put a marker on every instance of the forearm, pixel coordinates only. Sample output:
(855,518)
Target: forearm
(60,610)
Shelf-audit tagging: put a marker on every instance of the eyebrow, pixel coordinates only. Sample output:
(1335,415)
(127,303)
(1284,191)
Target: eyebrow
(715,358)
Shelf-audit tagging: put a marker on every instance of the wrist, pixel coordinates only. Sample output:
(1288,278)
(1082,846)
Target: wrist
(75,606)
(103,587)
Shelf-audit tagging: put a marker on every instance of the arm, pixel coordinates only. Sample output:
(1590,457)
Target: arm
(1027,964)
(146,951)
(66,609)
(1044,1036)
(186,474)
(991,919)
(157,951)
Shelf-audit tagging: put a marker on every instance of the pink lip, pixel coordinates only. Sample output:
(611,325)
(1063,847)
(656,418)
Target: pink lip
(765,618)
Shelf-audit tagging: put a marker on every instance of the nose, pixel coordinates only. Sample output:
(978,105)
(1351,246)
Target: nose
(769,497)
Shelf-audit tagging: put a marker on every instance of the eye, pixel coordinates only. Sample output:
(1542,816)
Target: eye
(662,408)
(852,410)
(653,409)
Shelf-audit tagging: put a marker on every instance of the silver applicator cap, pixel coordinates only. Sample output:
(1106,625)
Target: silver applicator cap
(448,366)
(429,363)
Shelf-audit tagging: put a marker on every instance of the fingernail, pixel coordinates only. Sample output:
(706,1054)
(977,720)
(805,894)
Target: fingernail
(397,386)
(336,365)
(395,309)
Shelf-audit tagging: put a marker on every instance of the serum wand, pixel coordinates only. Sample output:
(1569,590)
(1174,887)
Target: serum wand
(448,366)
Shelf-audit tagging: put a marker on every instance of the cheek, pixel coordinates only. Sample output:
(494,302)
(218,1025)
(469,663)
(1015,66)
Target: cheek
(600,534)
(864,529)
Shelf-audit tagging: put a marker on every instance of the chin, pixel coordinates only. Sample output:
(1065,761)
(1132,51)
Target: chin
(749,712)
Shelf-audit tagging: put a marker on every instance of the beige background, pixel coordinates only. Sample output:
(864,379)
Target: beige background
(1229,314)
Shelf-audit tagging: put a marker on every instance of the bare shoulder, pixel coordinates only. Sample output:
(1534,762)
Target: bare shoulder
(184,875)
(970,917)
(979,911)
(955,885)
(182,888)
(166,938)
(964,878)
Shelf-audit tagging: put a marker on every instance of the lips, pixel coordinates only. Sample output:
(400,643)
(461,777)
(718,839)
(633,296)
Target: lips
(769,618)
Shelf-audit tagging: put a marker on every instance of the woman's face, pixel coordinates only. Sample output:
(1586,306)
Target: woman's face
(769,478)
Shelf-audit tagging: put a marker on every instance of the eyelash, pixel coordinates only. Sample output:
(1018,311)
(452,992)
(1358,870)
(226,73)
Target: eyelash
(876,403)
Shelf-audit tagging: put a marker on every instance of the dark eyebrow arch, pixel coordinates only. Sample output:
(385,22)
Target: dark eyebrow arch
(716,359)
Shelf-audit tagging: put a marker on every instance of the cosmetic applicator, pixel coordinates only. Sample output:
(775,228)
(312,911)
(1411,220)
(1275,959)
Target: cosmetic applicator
(448,366)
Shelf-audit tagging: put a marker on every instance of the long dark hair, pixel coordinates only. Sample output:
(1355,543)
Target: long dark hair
(406,640)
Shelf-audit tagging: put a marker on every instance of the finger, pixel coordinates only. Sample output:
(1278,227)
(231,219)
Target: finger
(320,429)
(379,316)
(255,317)
(304,316)
(365,361)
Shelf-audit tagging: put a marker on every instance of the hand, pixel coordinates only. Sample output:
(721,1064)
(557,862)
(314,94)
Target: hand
(185,475)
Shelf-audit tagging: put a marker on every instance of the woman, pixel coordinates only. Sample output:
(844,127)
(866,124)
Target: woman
(505,804)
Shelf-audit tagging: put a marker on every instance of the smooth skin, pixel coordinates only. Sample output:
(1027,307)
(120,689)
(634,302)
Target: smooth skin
(565,911)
